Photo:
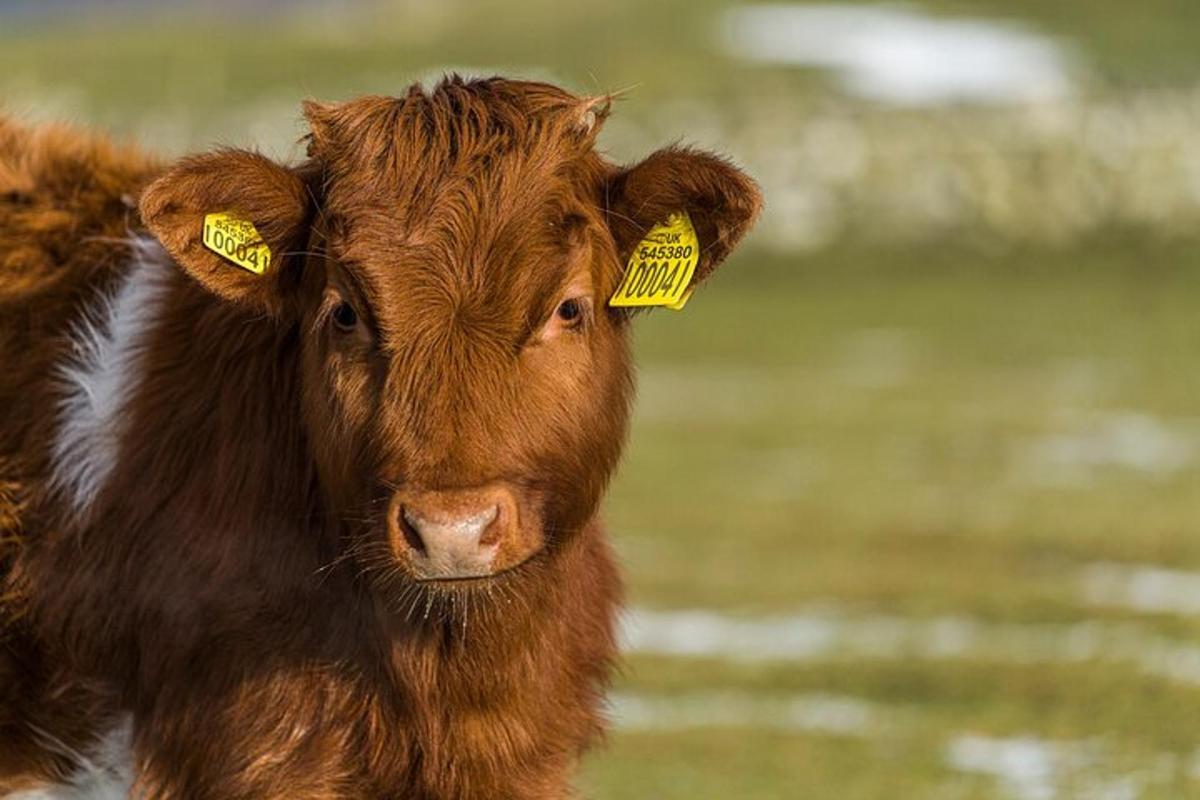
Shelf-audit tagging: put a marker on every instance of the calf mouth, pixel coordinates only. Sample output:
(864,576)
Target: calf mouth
(482,580)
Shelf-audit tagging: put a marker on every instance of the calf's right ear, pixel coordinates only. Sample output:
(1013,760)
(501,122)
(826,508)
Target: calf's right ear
(248,187)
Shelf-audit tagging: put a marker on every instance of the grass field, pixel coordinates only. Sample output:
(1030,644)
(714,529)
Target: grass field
(898,522)
(945,483)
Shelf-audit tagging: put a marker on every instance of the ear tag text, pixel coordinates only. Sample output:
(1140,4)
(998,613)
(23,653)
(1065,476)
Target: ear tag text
(236,240)
(660,269)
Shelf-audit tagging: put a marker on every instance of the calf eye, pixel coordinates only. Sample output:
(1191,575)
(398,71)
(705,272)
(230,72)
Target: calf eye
(570,316)
(570,311)
(344,317)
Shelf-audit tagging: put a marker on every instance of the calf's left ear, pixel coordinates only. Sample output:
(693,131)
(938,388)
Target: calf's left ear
(721,200)
(249,187)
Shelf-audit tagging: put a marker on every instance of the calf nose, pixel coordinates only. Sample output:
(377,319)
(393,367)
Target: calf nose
(450,546)
(453,534)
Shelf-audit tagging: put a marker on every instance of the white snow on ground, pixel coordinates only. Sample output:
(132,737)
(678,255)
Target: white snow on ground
(1128,440)
(1032,768)
(822,634)
(827,714)
(1025,767)
(902,56)
(1141,587)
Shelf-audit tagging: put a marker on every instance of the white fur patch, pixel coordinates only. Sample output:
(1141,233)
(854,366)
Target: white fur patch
(106,773)
(101,375)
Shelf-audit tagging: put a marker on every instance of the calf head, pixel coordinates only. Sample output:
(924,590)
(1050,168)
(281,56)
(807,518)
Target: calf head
(447,258)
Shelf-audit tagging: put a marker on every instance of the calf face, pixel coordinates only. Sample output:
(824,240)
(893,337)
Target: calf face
(447,258)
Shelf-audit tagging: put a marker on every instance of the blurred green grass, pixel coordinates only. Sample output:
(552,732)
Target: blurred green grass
(806,479)
(882,413)
(919,432)
(1129,43)
(189,83)
(849,428)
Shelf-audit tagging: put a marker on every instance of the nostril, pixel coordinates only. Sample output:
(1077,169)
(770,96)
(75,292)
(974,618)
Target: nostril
(490,526)
(411,528)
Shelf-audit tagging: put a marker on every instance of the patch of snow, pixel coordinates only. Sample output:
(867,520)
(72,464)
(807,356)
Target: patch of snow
(903,56)
(1033,768)
(828,634)
(1142,587)
(829,714)
(1125,440)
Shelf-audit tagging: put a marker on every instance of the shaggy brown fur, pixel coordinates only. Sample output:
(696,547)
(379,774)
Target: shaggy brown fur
(240,585)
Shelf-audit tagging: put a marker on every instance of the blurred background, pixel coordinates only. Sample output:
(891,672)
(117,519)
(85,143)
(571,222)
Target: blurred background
(910,508)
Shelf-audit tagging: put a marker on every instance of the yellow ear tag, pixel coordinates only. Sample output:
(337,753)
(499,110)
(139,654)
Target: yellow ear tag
(236,240)
(659,272)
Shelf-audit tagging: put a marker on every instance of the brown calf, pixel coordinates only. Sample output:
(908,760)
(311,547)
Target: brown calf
(329,531)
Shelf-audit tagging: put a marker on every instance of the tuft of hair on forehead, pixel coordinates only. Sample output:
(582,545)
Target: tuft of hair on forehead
(459,123)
